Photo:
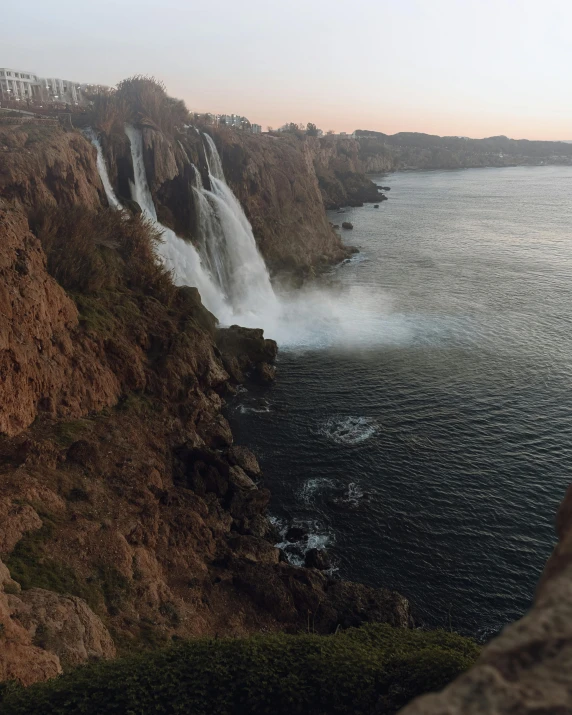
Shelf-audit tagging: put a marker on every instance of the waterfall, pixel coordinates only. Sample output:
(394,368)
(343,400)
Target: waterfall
(112,199)
(213,158)
(178,255)
(228,246)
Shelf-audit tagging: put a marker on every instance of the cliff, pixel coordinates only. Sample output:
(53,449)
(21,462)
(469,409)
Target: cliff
(412,150)
(128,517)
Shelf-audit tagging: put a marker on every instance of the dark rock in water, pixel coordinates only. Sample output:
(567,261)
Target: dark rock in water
(335,225)
(295,533)
(244,350)
(265,373)
(317,559)
(245,459)
(376,206)
(347,224)
(383,188)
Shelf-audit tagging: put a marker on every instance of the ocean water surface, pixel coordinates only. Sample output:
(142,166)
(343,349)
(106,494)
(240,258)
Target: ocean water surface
(421,424)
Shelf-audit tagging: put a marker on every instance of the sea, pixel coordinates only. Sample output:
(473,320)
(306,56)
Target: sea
(420,427)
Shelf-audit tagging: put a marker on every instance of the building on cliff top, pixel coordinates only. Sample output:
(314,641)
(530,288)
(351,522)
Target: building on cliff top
(21,85)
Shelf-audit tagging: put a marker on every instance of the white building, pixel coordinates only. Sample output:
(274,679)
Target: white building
(21,85)
(18,85)
(255,128)
(61,90)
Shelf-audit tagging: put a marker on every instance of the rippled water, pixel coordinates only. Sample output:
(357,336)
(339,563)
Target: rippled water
(430,452)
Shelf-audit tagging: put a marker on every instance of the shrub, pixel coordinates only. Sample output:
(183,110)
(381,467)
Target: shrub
(109,113)
(356,671)
(90,251)
(147,101)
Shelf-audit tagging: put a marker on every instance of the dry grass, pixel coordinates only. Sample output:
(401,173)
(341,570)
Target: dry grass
(148,102)
(109,113)
(90,251)
(138,100)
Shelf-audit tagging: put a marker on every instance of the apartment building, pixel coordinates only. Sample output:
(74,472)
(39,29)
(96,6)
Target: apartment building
(20,85)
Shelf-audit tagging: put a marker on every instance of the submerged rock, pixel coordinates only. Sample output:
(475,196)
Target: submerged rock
(347,225)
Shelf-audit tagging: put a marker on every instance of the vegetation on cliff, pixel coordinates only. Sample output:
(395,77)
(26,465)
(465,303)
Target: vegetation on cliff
(376,668)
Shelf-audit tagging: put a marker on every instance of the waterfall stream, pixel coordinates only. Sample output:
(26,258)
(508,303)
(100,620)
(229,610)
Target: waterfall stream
(178,255)
(102,169)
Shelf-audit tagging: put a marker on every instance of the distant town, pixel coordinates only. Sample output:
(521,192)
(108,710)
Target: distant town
(25,90)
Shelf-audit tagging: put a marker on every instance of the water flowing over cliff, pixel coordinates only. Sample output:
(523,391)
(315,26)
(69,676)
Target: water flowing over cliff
(228,244)
(179,256)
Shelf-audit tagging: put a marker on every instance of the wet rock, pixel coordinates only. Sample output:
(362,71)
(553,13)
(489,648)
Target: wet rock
(245,350)
(265,373)
(317,559)
(240,479)
(376,206)
(296,533)
(244,458)
(347,225)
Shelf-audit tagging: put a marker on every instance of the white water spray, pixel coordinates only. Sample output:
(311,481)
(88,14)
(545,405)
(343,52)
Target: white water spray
(112,199)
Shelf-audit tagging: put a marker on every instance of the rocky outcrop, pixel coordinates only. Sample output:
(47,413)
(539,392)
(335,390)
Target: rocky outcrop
(42,366)
(527,668)
(341,172)
(64,625)
(42,165)
(20,658)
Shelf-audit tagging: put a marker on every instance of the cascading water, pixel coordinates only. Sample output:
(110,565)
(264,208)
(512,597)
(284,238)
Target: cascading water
(102,169)
(178,255)
(228,245)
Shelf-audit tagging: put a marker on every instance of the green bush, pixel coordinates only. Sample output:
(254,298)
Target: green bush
(355,671)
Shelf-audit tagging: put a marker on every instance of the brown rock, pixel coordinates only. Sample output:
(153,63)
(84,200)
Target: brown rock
(244,458)
(64,625)
(317,559)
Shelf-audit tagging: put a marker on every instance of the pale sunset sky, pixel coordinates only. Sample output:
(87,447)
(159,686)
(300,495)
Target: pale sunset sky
(449,67)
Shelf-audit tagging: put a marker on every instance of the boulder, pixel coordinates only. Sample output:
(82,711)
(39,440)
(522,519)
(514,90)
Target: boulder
(317,559)
(347,225)
(295,533)
(245,459)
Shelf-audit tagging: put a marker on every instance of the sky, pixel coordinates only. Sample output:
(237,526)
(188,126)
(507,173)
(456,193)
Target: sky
(448,67)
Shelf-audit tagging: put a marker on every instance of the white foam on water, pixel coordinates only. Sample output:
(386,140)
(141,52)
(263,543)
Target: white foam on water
(313,486)
(348,430)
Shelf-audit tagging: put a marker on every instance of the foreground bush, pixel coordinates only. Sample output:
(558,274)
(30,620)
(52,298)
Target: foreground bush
(373,668)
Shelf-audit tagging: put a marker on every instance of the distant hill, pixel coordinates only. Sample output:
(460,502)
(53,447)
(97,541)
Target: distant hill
(429,151)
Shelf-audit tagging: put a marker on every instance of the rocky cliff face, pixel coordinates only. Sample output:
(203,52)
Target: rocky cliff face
(128,517)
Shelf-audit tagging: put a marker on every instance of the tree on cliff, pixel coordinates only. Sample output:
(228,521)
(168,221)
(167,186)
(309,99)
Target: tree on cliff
(312,130)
